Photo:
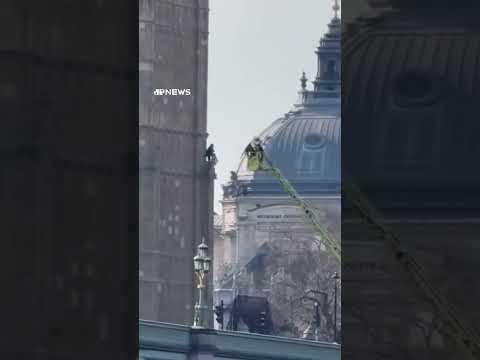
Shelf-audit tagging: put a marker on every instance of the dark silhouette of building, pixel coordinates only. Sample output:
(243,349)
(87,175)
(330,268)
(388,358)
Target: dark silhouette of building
(68,177)
(410,139)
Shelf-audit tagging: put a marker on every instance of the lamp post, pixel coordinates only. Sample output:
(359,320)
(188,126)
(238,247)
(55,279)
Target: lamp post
(316,303)
(317,320)
(201,265)
(335,278)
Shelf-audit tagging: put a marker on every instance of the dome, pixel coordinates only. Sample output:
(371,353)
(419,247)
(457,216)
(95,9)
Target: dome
(406,137)
(305,144)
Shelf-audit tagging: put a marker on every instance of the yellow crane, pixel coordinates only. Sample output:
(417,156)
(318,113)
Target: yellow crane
(256,161)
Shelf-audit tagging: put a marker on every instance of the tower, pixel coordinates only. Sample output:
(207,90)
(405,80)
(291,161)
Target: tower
(328,52)
(176,197)
(327,82)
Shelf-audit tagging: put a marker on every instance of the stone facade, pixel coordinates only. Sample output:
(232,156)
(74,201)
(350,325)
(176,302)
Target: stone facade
(176,197)
(251,221)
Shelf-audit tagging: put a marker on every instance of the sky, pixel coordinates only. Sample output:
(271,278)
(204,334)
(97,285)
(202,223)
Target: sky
(257,52)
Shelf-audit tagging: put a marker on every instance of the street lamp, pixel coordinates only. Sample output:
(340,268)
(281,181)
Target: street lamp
(335,278)
(201,265)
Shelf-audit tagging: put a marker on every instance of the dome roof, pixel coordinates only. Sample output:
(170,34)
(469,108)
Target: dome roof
(305,144)
(410,137)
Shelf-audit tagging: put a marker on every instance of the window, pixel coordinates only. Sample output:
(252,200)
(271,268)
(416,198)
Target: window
(416,88)
(331,67)
(314,142)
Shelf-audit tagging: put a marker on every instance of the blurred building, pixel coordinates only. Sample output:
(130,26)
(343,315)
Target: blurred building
(68,153)
(410,138)
(260,223)
(176,198)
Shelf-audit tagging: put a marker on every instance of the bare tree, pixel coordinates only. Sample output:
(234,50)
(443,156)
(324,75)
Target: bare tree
(293,269)
(296,265)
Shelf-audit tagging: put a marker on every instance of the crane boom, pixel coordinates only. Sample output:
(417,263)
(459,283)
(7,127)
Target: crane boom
(257,162)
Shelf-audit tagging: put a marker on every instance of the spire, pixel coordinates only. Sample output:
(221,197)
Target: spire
(326,84)
(327,81)
(336,8)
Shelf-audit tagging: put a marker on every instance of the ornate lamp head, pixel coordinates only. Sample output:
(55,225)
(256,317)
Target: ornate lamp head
(197,263)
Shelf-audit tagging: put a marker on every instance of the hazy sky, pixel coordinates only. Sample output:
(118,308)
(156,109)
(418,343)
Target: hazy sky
(257,51)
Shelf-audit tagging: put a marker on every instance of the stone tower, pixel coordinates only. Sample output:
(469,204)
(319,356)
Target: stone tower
(176,201)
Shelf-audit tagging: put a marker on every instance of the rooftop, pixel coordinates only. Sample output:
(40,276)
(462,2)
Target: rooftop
(169,341)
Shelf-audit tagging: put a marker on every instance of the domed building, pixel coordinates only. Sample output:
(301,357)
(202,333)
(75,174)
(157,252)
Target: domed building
(410,106)
(260,223)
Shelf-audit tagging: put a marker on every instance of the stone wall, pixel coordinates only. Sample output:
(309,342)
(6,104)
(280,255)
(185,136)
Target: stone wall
(176,201)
